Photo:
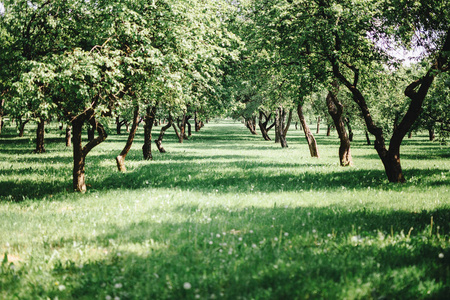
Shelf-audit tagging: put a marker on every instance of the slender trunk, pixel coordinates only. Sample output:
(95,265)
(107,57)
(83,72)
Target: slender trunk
(189,126)
(149,121)
(250,123)
(80,152)
(120,159)
(329,130)
(21,126)
(410,134)
(2,103)
(281,119)
(318,125)
(179,135)
(118,125)
(196,124)
(335,109)
(40,132)
(277,126)
(68,136)
(263,125)
(308,135)
(349,127)
(367,138)
(158,142)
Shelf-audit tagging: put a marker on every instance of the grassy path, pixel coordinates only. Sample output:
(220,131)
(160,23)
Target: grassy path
(224,215)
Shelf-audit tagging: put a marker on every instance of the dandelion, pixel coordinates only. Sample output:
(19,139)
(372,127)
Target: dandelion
(441,255)
(187,286)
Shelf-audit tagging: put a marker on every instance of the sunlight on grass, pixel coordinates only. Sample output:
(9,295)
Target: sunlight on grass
(218,217)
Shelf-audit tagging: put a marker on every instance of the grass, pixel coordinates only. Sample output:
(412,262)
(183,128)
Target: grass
(224,215)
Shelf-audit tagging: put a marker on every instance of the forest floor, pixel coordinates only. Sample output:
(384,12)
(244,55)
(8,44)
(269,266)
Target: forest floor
(224,215)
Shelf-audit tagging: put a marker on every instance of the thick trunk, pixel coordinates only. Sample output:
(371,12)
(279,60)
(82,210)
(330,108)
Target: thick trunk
(120,159)
(318,125)
(308,135)
(431,134)
(40,132)
(149,121)
(80,152)
(68,136)
(158,142)
(335,109)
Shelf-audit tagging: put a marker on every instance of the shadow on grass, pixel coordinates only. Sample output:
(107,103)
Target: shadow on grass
(254,260)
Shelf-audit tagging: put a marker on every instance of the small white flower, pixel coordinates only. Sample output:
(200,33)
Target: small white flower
(210,242)
(119,254)
(218,235)
(275,239)
(441,255)
(240,239)
(251,231)
(187,286)
(108,297)
(7,244)
(62,287)
(116,298)
(275,266)
(253,245)
(197,296)
(118,285)
(314,231)
(286,233)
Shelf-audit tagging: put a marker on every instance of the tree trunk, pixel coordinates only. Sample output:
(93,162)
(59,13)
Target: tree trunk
(335,109)
(328,130)
(349,127)
(431,134)
(318,125)
(196,122)
(179,135)
(410,134)
(21,126)
(40,132)
(189,126)
(120,159)
(367,138)
(2,103)
(149,121)
(68,136)
(158,142)
(281,119)
(277,126)
(263,125)
(250,123)
(308,135)
(80,152)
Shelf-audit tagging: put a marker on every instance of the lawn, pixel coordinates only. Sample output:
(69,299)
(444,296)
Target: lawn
(225,215)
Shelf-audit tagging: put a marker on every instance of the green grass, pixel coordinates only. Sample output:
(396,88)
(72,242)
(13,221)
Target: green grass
(224,215)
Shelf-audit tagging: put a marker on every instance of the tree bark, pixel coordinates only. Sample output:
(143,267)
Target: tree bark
(119,125)
(158,142)
(149,121)
(2,103)
(431,134)
(335,109)
(281,119)
(91,133)
(263,125)
(21,126)
(367,138)
(80,152)
(250,123)
(179,135)
(40,132)
(308,135)
(349,127)
(196,122)
(328,130)
(189,126)
(68,136)
(120,159)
